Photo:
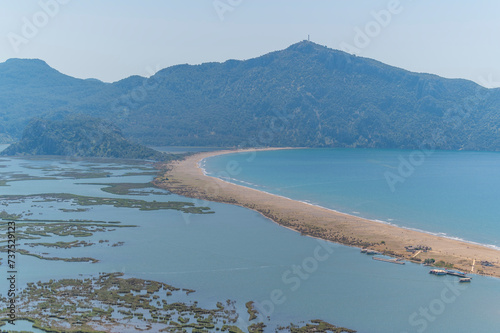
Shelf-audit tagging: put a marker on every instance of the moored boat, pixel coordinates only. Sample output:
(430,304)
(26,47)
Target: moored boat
(456,273)
(438,272)
(392,260)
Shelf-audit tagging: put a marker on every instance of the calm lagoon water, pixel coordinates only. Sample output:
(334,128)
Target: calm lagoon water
(237,254)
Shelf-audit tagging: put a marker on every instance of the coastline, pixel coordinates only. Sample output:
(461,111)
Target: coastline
(437,234)
(187,178)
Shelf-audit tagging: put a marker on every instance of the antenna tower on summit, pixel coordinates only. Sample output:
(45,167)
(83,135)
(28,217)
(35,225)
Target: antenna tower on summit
(308,38)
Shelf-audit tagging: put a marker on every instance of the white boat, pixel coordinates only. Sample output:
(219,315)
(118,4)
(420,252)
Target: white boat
(438,272)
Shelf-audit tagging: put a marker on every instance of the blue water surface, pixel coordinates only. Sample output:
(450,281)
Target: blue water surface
(448,193)
(238,254)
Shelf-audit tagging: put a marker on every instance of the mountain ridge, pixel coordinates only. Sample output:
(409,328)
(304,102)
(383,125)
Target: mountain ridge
(329,98)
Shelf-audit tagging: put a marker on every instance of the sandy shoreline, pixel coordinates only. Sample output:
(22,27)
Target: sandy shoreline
(187,179)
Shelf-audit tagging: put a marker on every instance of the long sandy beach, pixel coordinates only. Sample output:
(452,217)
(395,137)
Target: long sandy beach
(186,178)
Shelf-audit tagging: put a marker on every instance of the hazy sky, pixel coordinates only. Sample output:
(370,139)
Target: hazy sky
(113,39)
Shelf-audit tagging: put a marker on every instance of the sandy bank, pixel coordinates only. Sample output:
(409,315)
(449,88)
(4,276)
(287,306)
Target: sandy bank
(187,179)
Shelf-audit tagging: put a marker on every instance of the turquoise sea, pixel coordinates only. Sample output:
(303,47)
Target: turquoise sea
(237,254)
(453,194)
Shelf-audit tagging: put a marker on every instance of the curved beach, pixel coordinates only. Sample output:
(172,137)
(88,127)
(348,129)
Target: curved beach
(187,178)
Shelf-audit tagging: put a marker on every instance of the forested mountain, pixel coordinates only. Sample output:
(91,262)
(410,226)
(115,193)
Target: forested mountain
(30,88)
(305,95)
(78,136)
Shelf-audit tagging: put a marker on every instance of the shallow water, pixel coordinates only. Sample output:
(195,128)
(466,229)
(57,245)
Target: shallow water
(237,254)
(20,326)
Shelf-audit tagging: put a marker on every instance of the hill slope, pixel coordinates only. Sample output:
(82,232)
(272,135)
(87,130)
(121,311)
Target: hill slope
(30,88)
(308,95)
(78,136)
(305,95)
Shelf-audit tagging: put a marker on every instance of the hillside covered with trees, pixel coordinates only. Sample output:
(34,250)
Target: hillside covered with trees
(306,95)
(78,136)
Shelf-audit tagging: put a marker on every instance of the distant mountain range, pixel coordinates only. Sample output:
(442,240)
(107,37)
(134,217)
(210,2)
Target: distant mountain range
(305,95)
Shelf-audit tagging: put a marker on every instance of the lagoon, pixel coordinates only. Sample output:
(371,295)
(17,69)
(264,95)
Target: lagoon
(237,254)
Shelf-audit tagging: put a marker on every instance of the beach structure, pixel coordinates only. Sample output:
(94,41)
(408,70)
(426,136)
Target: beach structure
(456,273)
(448,272)
(392,261)
(438,272)
(416,248)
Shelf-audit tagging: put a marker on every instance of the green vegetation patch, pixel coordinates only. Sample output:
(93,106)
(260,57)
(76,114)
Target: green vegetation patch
(41,257)
(231,329)
(6,178)
(256,328)
(252,311)
(443,264)
(186,207)
(62,245)
(82,174)
(76,210)
(85,304)
(128,188)
(36,230)
(110,300)
(6,216)
(317,326)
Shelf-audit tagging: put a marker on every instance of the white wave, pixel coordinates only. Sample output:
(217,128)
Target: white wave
(388,222)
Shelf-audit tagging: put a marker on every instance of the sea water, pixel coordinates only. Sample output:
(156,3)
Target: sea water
(237,254)
(452,194)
